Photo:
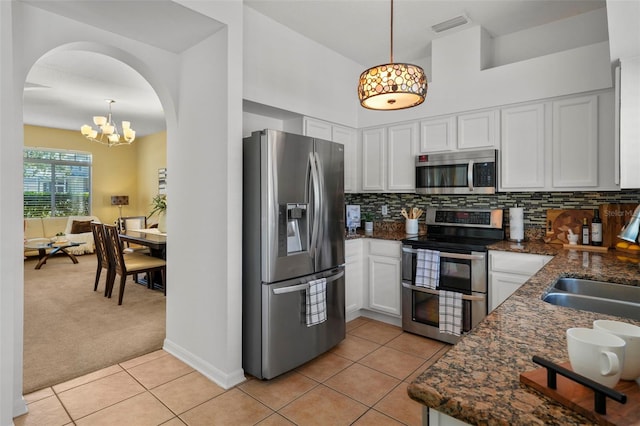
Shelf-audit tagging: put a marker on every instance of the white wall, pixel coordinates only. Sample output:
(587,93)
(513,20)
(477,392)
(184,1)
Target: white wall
(285,70)
(208,333)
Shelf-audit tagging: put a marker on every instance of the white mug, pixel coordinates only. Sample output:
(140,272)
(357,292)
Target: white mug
(631,335)
(596,355)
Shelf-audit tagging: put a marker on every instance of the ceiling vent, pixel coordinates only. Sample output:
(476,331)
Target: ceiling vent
(450,23)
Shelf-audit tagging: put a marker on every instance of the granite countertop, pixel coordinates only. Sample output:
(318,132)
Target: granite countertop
(392,231)
(477,381)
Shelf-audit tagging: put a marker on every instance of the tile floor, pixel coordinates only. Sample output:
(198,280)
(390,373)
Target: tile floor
(362,381)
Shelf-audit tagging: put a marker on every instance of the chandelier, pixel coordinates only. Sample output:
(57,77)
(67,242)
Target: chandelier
(392,86)
(109,134)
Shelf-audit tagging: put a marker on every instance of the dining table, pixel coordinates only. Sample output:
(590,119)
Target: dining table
(157,243)
(152,238)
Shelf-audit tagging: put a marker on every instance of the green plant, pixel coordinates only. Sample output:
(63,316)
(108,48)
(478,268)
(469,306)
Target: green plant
(60,234)
(158,204)
(367,217)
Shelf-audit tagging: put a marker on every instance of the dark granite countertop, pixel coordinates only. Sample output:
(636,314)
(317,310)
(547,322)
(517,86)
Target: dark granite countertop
(477,381)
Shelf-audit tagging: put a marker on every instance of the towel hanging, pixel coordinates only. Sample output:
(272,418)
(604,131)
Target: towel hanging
(316,306)
(450,312)
(428,268)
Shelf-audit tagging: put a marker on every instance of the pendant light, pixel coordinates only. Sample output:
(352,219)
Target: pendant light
(392,86)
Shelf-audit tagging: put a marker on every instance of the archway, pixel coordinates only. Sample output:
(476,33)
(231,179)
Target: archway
(58,344)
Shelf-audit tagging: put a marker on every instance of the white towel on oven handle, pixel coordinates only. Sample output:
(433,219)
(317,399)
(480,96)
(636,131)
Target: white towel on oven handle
(316,306)
(450,312)
(427,268)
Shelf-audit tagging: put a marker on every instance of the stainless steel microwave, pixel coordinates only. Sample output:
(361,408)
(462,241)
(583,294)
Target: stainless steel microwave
(460,172)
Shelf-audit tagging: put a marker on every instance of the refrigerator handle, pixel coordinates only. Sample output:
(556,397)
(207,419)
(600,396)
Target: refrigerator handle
(321,193)
(305,286)
(316,204)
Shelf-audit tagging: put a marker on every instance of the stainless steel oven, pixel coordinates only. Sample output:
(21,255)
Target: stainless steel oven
(460,237)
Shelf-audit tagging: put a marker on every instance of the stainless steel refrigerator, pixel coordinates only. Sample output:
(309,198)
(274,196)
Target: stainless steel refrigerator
(293,237)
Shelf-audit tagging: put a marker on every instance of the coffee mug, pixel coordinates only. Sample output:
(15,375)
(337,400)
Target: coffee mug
(596,355)
(631,335)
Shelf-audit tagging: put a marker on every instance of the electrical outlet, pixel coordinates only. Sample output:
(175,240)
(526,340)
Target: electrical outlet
(385,210)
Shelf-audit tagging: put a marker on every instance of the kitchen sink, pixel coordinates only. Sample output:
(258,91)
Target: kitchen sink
(595,296)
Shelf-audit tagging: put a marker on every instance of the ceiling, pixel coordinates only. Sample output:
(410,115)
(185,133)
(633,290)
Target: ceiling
(65,89)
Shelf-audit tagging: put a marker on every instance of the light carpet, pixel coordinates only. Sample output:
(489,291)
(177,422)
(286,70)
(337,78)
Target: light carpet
(70,330)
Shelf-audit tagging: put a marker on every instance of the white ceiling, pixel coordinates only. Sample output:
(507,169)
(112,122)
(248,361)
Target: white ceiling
(65,89)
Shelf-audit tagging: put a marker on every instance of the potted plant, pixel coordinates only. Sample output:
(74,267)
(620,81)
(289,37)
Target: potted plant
(367,218)
(159,207)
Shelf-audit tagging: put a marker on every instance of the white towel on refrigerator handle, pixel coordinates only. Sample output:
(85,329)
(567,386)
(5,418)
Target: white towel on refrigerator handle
(427,268)
(450,312)
(316,305)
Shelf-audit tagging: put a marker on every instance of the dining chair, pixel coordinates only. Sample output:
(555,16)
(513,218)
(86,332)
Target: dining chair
(132,263)
(134,223)
(102,254)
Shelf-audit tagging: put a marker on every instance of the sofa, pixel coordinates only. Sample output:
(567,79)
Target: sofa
(45,229)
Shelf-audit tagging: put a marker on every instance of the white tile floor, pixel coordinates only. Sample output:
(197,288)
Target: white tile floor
(362,381)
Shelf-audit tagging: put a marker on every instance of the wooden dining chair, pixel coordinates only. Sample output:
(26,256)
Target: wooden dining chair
(102,253)
(132,263)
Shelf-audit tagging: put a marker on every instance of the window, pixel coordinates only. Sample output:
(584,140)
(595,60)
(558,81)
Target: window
(56,183)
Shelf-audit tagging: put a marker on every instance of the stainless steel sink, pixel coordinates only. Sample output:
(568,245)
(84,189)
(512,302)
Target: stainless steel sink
(595,296)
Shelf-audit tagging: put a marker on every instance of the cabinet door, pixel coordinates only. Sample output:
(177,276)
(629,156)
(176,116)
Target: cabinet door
(575,142)
(629,123)
(373,159)
(478,130)
(438,135)
(384,284)
(522,148)
(502,285)
(401,151)
(317,129)
(354,277)
(349,138)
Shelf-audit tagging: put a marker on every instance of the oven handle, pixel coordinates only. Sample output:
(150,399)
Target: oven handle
(450,255)
(437,292)
(470,175)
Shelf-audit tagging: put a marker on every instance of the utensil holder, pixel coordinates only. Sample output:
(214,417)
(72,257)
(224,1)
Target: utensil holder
(411,226)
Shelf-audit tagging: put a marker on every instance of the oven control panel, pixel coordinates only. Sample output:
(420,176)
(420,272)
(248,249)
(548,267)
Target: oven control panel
(456,217)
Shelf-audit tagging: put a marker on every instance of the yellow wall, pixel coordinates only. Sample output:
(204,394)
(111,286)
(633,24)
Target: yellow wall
(121,170)
(152,155)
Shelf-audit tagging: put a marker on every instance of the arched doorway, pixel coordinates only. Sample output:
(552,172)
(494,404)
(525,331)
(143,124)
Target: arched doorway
(81,333)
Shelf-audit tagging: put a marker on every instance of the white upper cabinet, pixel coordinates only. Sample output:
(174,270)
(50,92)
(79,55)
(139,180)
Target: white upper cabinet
(401,151)
(475,130)
(629,125)
(564,144)
(575,142)
(478,130)
(523,147)
(374,142)
(345,135)
(438,134)
(388,158)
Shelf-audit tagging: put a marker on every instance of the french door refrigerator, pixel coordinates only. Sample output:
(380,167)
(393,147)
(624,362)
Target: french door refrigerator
(293,238)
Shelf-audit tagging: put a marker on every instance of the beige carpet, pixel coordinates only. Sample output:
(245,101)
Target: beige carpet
(70,330)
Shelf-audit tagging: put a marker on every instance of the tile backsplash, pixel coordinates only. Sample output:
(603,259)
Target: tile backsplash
(535,204)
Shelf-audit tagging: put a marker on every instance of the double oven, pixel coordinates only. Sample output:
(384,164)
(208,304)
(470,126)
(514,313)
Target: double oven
(461,237)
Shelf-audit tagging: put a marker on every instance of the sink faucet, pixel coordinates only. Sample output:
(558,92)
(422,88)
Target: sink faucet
(630,231)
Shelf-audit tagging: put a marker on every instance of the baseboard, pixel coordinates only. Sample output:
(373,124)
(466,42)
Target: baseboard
(381,317)
(19,407)
(226,381)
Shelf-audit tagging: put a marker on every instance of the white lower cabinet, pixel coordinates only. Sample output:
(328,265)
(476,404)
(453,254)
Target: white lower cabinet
(354,277)
(508,271)
(384,276)
(436,418)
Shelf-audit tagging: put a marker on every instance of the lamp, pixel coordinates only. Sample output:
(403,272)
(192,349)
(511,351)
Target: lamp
(630,231)
(392,86)
(109,130)
(120,200)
